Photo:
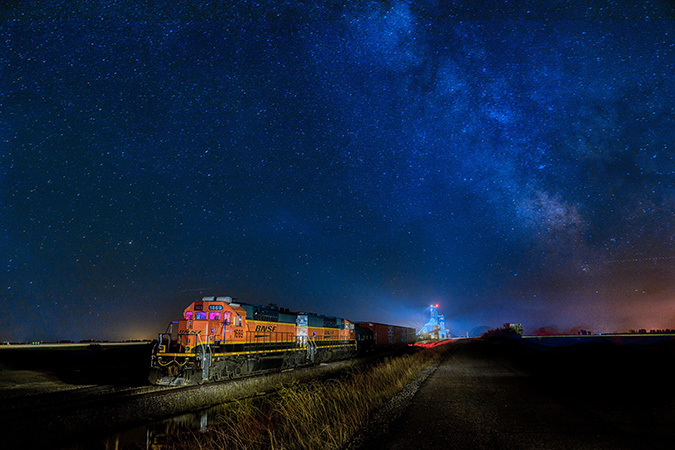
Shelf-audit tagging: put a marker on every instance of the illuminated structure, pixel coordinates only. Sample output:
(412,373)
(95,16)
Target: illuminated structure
(435,327)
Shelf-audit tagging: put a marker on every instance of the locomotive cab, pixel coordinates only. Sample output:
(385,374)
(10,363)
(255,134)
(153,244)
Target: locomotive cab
(203,323)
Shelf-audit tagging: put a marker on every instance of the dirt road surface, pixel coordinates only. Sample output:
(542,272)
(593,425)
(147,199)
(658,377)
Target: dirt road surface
(487,396)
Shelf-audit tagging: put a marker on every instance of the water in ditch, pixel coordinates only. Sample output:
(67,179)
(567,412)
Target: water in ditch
(152,436)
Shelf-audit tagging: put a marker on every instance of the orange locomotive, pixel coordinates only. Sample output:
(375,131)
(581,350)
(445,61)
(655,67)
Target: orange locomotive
(219,339)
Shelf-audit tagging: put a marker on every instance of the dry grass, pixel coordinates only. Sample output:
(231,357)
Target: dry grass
(310,415)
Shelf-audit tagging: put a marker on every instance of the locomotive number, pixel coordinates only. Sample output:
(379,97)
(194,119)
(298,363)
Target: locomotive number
(239,334)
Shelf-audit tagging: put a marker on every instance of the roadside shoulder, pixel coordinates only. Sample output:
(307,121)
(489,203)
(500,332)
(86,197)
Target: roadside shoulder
(377,428)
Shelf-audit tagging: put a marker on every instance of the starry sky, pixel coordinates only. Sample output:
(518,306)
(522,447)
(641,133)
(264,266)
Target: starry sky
(510,161)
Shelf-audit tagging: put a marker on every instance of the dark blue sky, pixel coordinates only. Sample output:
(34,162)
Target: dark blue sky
(511,161)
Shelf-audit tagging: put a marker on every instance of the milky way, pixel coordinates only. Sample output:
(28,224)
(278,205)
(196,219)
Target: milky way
(511,161)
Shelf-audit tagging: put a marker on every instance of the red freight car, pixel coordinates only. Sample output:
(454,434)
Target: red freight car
(390,335)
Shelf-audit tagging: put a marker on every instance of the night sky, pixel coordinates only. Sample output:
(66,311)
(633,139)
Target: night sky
(511,161)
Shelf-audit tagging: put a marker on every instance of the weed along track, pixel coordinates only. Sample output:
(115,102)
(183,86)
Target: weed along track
(308,415)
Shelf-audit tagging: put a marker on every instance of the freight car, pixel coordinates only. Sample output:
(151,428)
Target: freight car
(389,335)
(218,339)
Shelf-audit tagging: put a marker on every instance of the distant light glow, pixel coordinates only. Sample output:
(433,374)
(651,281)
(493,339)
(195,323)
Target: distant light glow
(429,344)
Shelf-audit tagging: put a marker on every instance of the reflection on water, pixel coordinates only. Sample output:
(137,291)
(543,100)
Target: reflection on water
(156,435)
(204,421)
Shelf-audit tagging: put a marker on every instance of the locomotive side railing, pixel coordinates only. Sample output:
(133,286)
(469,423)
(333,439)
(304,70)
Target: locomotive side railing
(269,341)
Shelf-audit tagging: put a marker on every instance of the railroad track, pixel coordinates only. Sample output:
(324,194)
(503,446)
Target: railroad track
(15,407)
(19,407)
(21,410)
(62,416)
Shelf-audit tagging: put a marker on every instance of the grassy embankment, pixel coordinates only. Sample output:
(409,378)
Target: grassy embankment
(311,415)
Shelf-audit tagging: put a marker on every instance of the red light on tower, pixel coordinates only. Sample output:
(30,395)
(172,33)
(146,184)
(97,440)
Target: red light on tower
(436,305)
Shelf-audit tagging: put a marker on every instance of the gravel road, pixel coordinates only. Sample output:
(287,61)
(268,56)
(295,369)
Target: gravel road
(483,396)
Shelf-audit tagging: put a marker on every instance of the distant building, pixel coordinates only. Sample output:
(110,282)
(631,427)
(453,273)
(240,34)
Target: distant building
(435,327)
(517,327)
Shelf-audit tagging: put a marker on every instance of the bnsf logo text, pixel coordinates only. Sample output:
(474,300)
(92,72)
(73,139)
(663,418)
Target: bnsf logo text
(265,328)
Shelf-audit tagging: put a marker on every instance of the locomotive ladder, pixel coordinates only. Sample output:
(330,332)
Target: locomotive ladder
(205,357)
(311,349)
